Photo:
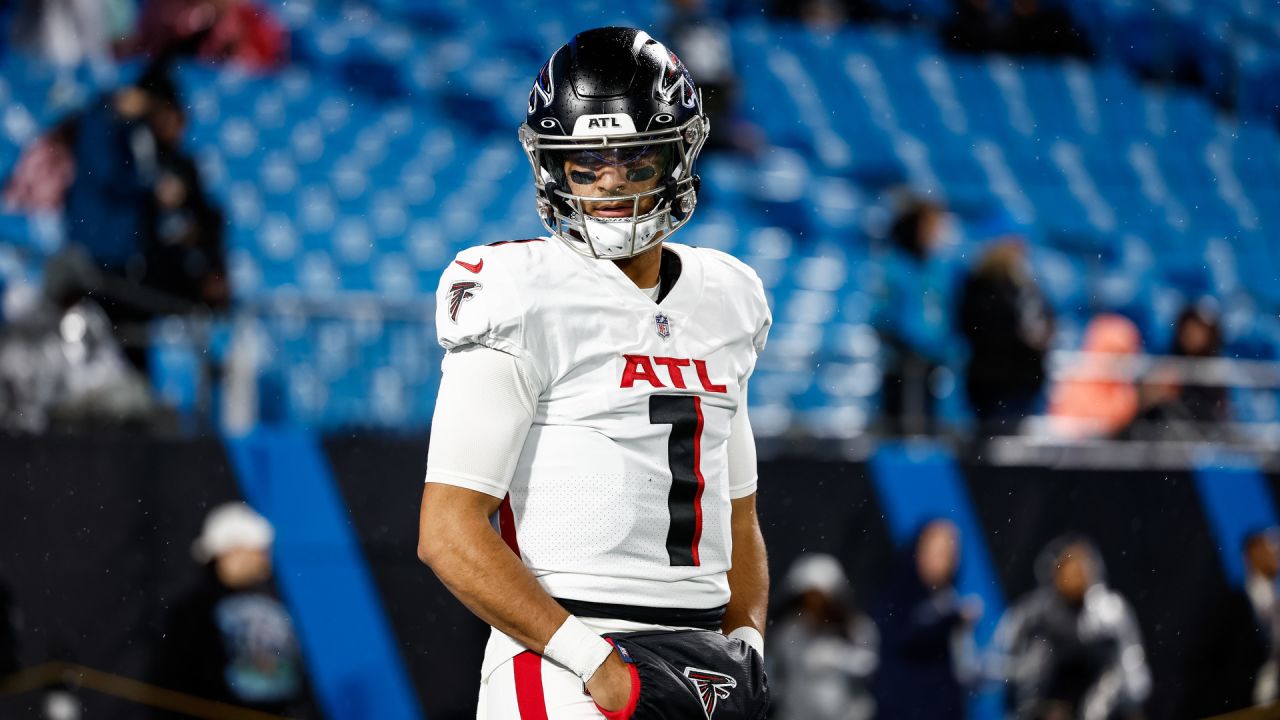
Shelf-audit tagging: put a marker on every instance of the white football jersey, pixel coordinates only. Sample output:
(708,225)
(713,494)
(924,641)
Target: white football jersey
(621,494)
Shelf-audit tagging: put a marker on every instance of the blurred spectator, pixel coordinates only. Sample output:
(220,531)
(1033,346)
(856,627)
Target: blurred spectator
(59,359)
(1009,326)
(824,650)
(136,205)
(115,158)
(912,318)
(1035,29)
(1071,647)
(238,31)
(701,39)
(926,630)
(1098,399)
(184,254)
(826,12)
(818,16)
(1260,584)
(1228,666)
(153,130)
(69,32)
(975,27)
(1198,336)
(44,171)
(229,638)
(1176,403)
(1028,28)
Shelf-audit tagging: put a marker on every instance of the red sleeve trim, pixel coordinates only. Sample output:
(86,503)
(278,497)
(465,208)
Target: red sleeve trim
(507,525)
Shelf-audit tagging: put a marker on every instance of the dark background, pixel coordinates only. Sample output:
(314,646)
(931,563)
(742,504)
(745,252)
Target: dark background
(95,536)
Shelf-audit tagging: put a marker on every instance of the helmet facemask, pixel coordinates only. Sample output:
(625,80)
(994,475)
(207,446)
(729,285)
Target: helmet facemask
(660,163)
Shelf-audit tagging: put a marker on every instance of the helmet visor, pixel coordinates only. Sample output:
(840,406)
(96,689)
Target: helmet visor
(615,174)
(642,164)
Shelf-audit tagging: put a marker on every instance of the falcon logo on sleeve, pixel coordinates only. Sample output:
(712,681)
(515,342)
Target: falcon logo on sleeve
(712,687)
(459,292)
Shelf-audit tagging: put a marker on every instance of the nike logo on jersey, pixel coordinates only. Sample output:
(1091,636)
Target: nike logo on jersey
(459,292)
(473,268)
(640,368)
(712,687)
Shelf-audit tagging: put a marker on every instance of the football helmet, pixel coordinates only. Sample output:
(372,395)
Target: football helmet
(614,100)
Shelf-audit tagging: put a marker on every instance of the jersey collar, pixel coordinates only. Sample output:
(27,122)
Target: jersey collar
(685,283)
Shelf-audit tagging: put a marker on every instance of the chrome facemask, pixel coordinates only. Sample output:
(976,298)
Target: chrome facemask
(616,238)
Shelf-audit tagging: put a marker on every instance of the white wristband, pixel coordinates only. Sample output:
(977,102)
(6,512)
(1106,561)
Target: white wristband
(577,648)
(750,636)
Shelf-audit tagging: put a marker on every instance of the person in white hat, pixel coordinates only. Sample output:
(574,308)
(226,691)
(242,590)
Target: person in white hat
(237,540)
(230,639)
(825,649)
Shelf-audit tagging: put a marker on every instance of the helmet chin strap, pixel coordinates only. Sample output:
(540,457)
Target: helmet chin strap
(671,195)
(612,239)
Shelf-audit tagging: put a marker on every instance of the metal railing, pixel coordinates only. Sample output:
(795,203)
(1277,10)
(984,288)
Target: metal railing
(1166,443)
(70,675)
(355,361)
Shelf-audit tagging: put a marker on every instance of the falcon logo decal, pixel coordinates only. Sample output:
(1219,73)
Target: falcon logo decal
(459,292)
(544,89)
(674,85)
(712,687)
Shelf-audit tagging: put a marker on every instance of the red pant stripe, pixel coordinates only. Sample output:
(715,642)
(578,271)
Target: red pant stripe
(529,697)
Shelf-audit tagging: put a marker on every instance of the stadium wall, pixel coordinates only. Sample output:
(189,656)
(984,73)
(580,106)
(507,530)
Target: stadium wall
(95,533)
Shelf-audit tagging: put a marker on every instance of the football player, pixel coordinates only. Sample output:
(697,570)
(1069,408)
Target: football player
(594,398)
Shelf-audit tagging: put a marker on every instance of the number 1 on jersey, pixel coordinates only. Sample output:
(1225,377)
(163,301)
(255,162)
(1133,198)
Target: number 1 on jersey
(684,456)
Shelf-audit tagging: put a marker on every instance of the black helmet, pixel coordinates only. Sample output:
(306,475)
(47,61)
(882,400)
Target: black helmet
(615,96)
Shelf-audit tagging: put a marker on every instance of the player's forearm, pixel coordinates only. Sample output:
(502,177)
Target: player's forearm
(749,576)
(481,571)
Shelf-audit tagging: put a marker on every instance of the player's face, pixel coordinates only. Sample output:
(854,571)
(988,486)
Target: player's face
(612,173)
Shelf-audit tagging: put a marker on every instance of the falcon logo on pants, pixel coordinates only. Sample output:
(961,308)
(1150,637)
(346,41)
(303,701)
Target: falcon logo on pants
(712,687)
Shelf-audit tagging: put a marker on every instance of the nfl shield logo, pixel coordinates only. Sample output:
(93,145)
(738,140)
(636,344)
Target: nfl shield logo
(664,325)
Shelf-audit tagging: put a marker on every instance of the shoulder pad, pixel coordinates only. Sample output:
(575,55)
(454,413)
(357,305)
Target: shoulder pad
(737,272)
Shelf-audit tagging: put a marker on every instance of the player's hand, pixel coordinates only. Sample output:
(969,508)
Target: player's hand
(610,687)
